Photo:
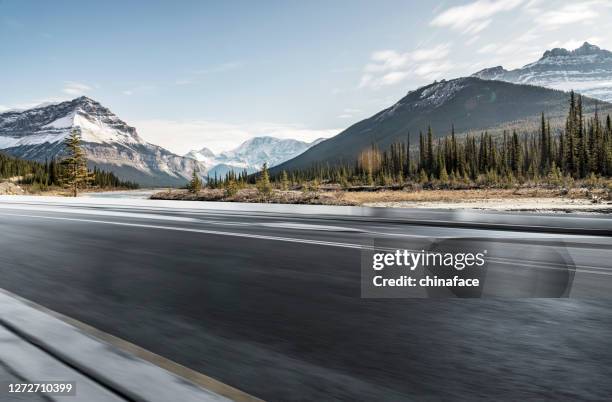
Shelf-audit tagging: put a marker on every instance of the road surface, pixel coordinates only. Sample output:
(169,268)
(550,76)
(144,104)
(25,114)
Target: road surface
(270,302)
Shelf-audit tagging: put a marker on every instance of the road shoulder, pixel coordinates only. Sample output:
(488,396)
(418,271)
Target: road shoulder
(107,362)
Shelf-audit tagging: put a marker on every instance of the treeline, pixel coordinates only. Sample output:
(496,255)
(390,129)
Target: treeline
(232,181)
(231,178)
(582,149)
(42,176)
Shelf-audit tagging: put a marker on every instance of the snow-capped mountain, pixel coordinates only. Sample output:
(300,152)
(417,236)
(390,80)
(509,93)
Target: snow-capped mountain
(251,155)
(111,144)
(469,104)
(587,70)
(204,155)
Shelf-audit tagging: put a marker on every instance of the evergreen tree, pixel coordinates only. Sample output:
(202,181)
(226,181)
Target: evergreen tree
(430,158)
(544,161)
(284,181)
(583,148)
(263,183)
(74,174)
(195,185)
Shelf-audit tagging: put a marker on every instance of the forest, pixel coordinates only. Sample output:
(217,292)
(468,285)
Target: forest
(580,150)
(43,176)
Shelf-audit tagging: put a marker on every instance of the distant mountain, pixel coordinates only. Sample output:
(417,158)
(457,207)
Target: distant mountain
(587,70)
(203,154)
(470,104)
(251,155)
(111,144)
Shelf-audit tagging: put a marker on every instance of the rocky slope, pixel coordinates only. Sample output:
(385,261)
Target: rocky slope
(587,70)
(110,143)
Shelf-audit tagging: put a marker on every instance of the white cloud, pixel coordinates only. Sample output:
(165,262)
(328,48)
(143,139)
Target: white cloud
(183,136)
(386,60)
(473,17)
(128,92)
(472,40)
(393,77)
(576,43)
(433,70)
(571,14)
(75,88)
(436,53)
(477,27)
(490,48)
(390,67)
(528,36)
(29,105)
(512,54)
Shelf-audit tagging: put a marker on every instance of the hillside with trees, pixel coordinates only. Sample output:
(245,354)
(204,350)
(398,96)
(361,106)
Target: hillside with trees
(70,172)
(470,105)
(582,150)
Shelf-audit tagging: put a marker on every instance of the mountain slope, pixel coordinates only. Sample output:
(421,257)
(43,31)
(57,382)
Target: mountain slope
(587,70)
(251,155)
(469,103)
(111,144)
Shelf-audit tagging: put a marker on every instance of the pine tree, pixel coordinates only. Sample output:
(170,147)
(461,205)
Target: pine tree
(422,156)
(454,151)
(263,183)
(544,162)
(195,185)
(515,154)
(284,181)
(74,174)
(430,158)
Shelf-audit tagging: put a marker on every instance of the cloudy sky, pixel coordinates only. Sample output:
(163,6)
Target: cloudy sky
(189,74)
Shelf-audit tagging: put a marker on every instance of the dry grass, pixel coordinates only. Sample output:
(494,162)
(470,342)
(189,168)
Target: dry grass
(252,195)
(361,198)
(526,199)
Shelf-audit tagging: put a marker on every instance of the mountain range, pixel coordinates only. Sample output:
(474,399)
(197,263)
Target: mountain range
(470,104)
(587,70)
(110,144)
(492,99)
(251,155)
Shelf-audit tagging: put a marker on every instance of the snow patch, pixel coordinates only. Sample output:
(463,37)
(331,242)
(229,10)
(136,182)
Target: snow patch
(63,122)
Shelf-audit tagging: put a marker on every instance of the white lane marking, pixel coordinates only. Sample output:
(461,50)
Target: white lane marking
(307,226)
(155,216)
(274,238)
(82,211)
(204,231)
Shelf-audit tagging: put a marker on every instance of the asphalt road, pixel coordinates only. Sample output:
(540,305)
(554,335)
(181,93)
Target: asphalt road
(270,302)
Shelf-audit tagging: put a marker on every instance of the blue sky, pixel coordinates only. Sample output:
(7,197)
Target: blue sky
(189,74)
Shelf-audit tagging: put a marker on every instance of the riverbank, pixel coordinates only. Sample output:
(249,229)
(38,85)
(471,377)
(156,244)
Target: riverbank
(11,187)
(529,199)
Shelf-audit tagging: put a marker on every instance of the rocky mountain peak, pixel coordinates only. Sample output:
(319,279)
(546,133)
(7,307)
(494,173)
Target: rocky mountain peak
(586,49)
(110,143)
(586,70)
